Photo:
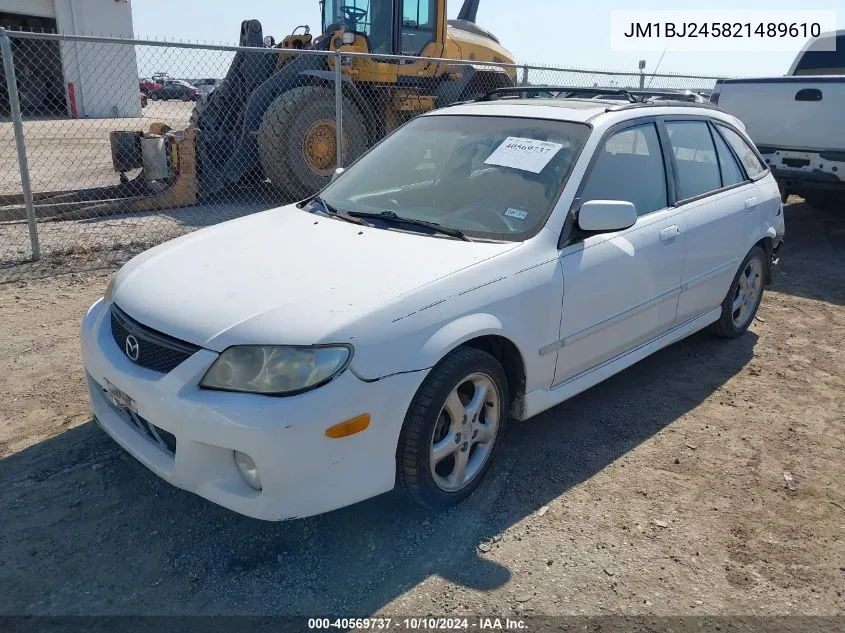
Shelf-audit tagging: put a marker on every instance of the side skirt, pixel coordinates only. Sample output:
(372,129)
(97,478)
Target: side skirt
(541,399)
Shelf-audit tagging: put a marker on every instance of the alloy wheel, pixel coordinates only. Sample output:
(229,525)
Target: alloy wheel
(748,291)
(465,432)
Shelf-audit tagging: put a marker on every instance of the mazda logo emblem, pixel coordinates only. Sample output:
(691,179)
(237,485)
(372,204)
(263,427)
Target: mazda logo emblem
(131,347)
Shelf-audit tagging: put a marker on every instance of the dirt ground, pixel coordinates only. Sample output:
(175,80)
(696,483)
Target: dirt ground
(661,491)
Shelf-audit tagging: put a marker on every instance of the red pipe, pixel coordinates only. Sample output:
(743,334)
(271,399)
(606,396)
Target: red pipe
(71,95)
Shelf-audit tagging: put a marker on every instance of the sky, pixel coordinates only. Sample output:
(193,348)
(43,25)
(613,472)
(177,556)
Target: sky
(543,32)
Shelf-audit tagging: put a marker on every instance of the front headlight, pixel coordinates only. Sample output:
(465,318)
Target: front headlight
(276,370)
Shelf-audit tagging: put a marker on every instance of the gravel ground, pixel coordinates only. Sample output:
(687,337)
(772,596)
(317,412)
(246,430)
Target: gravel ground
(661,491)
(74,245)
(75,154)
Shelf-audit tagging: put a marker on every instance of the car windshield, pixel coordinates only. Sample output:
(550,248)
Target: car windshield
(489,177)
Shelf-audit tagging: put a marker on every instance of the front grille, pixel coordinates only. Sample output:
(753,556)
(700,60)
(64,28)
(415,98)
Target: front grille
(147,347)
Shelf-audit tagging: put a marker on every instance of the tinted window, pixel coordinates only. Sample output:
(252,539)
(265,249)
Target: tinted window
(731,173)
(629,167)
(491,177)
(816,62)
(695,157)
(753,165)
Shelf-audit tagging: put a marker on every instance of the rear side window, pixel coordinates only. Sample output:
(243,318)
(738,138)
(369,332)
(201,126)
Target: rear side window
(753,165)
(629,167)
(731,173)
(695,157)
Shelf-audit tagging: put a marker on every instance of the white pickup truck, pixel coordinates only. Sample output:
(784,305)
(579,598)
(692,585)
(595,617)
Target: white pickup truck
(798,121)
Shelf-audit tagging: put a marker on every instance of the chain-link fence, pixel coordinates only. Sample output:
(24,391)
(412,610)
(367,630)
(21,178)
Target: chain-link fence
(111,146)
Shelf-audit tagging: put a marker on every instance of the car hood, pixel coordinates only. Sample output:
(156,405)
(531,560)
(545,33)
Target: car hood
(282,276)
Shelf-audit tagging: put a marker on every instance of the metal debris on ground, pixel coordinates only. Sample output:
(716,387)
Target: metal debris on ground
(789,480)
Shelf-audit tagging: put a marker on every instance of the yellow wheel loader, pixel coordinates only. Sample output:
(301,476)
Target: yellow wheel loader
(274,115)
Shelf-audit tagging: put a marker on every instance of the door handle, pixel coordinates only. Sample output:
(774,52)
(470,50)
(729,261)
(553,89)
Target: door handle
(750,203)
(669,234)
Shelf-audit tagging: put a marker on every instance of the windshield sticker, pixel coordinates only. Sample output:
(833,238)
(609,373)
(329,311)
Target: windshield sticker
(520,214)
(524,153)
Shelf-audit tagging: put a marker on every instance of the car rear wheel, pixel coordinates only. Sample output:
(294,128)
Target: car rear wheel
(453,428)
(744,297)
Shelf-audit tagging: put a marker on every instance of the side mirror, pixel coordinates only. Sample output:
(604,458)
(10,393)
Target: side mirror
(607,215)
(337,173)
(269,41)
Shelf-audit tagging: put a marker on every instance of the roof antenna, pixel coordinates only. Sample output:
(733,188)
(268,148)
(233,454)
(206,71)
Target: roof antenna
(658,65)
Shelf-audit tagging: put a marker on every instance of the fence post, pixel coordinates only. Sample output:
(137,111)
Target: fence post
(338,108)
(525,75)
(17,123)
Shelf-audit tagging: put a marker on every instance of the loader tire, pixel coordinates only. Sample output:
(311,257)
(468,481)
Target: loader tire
(296,139)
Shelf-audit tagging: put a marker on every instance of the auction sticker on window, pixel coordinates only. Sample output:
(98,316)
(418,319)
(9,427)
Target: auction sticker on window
(524,153)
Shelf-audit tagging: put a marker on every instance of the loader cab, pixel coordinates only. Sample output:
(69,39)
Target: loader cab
(389,27)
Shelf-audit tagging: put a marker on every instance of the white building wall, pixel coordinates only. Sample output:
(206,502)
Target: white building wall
(104,76)
(40,8)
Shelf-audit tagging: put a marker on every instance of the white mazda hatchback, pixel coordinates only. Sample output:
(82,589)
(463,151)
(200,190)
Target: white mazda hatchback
(481,264)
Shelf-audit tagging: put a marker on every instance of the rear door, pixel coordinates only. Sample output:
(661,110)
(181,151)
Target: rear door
(719,203)
(621,289)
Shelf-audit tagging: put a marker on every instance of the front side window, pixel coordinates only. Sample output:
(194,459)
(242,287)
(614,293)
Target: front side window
(418,24)
(752,163)
(695,157)
(490,177)
(373,18)
(629,167)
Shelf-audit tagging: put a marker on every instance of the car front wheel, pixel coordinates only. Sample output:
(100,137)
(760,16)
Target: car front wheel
(453,428)
(744,297)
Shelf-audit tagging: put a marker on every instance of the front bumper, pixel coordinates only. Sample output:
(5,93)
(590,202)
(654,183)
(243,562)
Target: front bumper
(302,471)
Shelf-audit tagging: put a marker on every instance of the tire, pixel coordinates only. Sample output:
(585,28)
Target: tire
(729,325)
(428,418)
(187,97)
(283,131)
(154,96)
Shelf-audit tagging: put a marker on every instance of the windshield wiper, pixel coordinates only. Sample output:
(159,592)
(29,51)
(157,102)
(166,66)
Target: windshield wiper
(393,217)
(335,213)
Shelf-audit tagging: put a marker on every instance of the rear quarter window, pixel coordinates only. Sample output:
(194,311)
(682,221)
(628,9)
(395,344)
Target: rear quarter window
(754,167)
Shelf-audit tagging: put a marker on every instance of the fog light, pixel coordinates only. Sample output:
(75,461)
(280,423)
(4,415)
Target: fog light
(248,469)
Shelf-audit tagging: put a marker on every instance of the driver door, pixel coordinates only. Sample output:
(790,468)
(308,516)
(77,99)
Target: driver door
(418,26)
(621,289)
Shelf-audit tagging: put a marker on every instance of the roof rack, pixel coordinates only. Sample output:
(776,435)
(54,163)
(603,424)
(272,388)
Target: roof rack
(554,92)
(632,95)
